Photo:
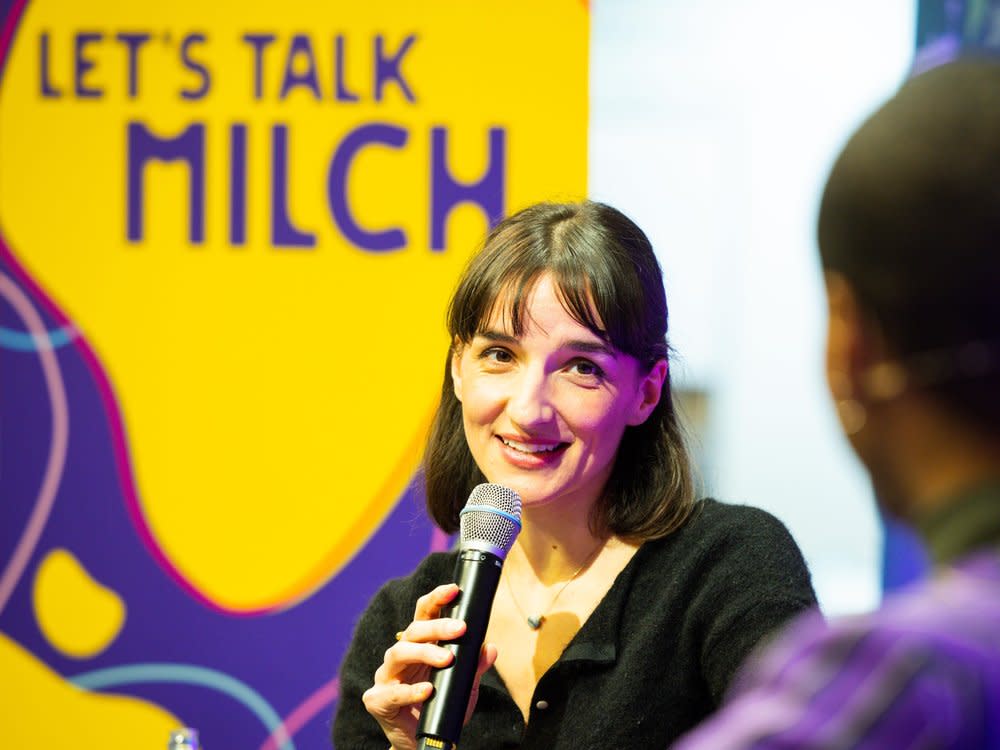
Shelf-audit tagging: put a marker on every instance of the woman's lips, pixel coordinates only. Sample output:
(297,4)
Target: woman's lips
(531,453)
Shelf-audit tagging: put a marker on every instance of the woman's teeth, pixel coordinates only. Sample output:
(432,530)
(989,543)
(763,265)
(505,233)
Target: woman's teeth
(525,448)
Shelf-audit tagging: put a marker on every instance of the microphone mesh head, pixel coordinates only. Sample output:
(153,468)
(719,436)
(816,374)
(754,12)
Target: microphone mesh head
(493,516)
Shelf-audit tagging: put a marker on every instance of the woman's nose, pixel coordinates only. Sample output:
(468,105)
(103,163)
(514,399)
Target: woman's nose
(529,402)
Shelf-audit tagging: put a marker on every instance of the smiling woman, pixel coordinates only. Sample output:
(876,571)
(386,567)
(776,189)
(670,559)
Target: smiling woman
(544,412)
(602,280)
(625,606)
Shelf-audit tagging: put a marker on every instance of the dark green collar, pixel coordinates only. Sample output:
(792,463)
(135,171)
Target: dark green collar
(969,521)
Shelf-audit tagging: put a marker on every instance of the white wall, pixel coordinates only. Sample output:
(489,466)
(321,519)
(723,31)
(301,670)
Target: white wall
(713,125)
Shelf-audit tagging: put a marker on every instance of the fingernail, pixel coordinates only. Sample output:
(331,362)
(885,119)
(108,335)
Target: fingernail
(455,627)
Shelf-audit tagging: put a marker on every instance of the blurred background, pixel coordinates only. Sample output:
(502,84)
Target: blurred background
(714,124)
(227,236)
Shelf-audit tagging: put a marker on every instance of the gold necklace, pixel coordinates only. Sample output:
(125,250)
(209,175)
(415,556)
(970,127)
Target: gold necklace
(536,621)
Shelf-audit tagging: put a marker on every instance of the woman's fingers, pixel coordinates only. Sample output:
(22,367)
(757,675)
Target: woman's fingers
(406,654)
(429,605)
(385,701)
(401,684)
(423,631)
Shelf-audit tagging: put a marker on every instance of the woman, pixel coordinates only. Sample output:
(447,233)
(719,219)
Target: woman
(624,606)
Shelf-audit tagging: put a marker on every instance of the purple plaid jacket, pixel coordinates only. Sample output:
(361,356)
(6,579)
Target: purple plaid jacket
(921,672)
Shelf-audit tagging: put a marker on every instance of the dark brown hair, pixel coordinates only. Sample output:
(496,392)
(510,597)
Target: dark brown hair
(911,218)
(602,263)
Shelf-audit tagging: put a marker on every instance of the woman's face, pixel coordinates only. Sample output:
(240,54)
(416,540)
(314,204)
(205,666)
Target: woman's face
(544,412)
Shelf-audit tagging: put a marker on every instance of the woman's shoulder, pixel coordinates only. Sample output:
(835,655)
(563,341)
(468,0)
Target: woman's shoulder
(737,567)
(728,514)
(712,521)
(721,535)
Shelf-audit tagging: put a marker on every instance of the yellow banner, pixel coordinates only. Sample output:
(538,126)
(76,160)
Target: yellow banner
(254,213)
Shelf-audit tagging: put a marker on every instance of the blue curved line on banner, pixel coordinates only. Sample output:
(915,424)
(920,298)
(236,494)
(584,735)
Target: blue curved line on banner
(186,674)
(24,342)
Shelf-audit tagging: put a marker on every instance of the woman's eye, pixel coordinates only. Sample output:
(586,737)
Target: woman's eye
(587,368)
(495,354)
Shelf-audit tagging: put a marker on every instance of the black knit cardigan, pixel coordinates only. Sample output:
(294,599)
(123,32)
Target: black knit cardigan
(653,659)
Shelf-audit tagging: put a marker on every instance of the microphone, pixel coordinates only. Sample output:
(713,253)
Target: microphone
(489,524)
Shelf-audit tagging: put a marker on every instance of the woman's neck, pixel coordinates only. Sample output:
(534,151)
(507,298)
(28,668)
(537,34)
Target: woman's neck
(556,545)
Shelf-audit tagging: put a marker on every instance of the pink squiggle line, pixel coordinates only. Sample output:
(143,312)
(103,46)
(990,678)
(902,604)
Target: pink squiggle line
(57,449)
(302,715)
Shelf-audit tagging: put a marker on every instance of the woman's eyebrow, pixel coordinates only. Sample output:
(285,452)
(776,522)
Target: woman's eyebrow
(592,347)
(588,346)
(497,336)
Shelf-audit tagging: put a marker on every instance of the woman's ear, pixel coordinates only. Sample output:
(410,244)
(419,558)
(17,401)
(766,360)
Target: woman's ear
(649,392)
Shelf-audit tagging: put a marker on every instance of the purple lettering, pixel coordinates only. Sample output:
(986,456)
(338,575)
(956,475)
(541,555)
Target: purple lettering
(133,42)
(387,68)
(301,47)
(447,192)
(195,67)
(189,146)
(283,233)
(48,90)
(238,184)
(259,42)
(343,93)
(84,64)
(377,241)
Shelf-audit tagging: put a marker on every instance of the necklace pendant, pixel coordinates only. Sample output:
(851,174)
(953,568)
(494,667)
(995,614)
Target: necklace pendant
(535,622)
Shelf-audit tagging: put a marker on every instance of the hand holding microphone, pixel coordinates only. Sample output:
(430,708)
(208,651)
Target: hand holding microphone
(439,657)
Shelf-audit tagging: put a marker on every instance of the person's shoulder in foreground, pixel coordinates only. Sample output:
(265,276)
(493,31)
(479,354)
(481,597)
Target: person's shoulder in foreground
(923,671)
(907,229)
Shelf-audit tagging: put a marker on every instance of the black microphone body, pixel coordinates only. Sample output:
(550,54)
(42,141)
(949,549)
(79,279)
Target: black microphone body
(490,522)
(477,574)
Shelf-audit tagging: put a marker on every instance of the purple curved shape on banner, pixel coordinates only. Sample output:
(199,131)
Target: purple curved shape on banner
(283,655)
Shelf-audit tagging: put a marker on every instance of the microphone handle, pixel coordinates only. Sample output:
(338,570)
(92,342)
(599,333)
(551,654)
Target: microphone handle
(477,574)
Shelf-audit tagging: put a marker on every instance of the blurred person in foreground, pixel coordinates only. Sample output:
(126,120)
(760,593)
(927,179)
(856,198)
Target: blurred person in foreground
(909,236)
